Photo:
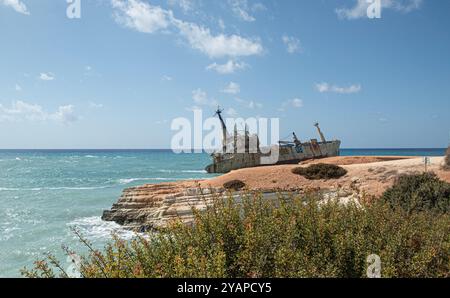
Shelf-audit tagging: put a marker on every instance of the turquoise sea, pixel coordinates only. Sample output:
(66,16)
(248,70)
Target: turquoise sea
(43,193)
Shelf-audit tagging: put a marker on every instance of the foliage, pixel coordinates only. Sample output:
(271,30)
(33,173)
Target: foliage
(419,192)
(447,160)
(297,236)
(234,185)
(321,171)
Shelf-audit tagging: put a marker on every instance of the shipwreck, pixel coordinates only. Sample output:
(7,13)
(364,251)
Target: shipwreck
(244,151)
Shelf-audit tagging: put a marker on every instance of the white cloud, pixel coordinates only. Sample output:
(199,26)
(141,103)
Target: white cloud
(23,111)
(94,105)
(141,16)
(228,68)
(249,104)
(18,88)
(327,88)
(185,5)
(296,103)
(231,112)
(221,24)
(167,78)
(17,5)
(200,97)
(241,10)
(292,44)
(232,88)
(47,76)
(146,18)
(359,10)
(216,46)
(65,114)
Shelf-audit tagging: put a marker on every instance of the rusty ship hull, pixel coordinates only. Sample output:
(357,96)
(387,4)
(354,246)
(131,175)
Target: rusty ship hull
(224,163)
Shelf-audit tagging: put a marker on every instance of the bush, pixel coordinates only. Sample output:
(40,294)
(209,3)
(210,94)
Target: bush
(287,237)
(320,171)
(234,185)
(419,192)
(447,160)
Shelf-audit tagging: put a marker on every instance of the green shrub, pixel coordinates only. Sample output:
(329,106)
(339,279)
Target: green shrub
(287,237)
(234,185)
(320,171)
(447,160)
(419,192)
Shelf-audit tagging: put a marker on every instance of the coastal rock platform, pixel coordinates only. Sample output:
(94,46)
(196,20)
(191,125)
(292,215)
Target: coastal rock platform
(154,205)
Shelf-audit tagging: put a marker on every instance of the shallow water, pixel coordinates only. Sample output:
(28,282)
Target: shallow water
(45,193)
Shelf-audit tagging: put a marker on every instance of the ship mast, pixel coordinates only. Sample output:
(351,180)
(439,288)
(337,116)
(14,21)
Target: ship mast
(224,129)
(322,137)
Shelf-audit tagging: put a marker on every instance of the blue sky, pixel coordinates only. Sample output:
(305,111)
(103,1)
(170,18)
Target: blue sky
(116,77)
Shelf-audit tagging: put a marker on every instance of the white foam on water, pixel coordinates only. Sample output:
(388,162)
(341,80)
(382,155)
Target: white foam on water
(52,188)
(94,228)
(183,171)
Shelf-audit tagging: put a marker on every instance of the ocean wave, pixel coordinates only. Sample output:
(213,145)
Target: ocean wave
(52,188)
(95,228)
(131,180)
(183,171)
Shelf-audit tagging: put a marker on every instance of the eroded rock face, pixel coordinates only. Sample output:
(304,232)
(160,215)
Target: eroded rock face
(151,206)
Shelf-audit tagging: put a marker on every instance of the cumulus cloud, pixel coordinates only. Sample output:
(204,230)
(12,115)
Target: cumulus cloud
(23,111)
(327,88)
(217,46)
(18,88)
(228,68)
(201,98)
(141,16)
(185,5)
(240,9)
(147,18)
(244,11)
(250,104)
(231,112)
(359,10)
(232,88)
(47,76)
(296,103)
(292,44)
(17,5)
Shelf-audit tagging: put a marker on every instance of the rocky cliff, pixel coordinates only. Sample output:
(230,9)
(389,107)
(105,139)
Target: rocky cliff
(154,205)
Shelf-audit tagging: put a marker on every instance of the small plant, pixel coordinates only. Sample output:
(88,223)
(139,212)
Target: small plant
(320,171)
(234,185)
(419,192)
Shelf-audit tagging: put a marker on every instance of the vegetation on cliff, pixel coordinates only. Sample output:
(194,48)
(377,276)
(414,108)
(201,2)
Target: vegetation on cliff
(419,192)
(290,237)
(447,160)
(234,185)
(321,171)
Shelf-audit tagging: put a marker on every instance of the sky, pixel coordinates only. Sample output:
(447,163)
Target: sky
(117,76)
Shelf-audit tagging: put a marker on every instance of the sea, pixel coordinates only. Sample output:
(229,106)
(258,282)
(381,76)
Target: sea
(46,193)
